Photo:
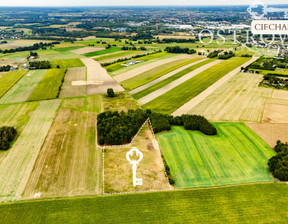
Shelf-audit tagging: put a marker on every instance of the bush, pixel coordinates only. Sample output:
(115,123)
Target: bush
(110,92)
(278,164)
(7,135)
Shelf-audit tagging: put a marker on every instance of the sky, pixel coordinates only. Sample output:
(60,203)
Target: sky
(129,2)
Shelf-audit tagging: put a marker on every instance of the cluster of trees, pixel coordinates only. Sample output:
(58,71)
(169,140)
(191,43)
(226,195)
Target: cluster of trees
(264,64)
(179,50)
(126,59)
(29,48)
(7,135)
(213,54)
(33,54)
(226,55)
(5,68)
(272,80)
(163,122)
(126,48)
(278,164)
(39,64)
(116,128)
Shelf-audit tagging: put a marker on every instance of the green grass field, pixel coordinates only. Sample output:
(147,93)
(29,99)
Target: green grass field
(117,55)
(67,63)
(23,88)
(49,86)
(170,79)
(68,48)
(8,80)
(235,156)
(155,73)
(250,204)
(175,98)
(106,51)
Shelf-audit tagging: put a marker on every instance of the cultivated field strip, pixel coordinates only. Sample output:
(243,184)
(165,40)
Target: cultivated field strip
(49,86)
(241,62)
(155,73)
(86,50)
(72,75)
(17,116)
(17,166)
(137,71)
(176,83)
(99,79)
(140,88)
(235,156)
(24,87)
(240,99)
(69,163)
(9,79)
(115,57)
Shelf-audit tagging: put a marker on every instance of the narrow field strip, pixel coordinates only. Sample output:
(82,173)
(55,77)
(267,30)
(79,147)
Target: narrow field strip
(73,74)
(115,57)
(67,63)
(69,163)
(17,116)
(9,79)
(175,98)
(176,83)
(239,99)
(155,73)
(175,73)
(49,86)
(106,51)
(23,88)
(203,95)
(135,72)
(17,166)
(117,68)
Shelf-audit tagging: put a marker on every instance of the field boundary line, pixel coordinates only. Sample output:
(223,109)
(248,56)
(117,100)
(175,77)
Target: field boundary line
(211,89)
(158,149)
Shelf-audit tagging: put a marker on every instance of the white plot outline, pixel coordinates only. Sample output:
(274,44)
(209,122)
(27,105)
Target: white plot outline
(157,148)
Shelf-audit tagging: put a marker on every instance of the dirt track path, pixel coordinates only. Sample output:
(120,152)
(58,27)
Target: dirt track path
(98,80)
(140,88)
(177,82)
(196,100)
(134,72)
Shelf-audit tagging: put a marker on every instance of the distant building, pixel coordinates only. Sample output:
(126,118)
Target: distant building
(128,63)
(121,29)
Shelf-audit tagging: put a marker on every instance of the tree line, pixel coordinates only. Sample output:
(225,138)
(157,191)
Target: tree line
(7,135)
(116,128)
(40,64)
(5,68)
(278,164)
(29,48)
(226,55)
(179,50)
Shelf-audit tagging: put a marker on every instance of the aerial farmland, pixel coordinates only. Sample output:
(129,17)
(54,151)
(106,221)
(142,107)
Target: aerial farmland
(205,123)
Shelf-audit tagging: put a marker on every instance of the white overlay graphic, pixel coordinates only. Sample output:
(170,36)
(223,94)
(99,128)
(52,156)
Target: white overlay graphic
(136,181)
